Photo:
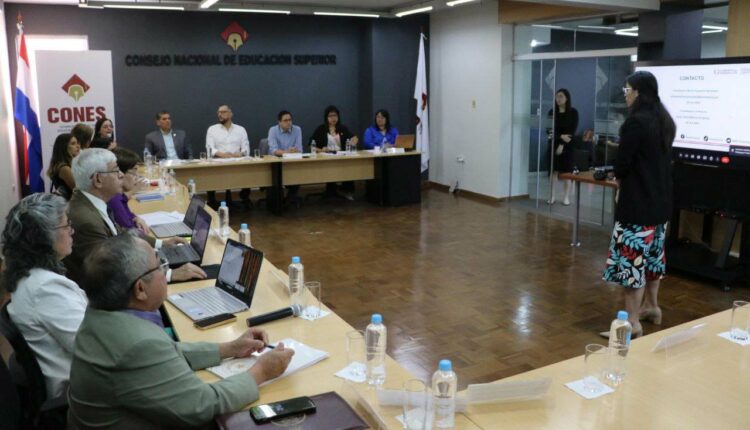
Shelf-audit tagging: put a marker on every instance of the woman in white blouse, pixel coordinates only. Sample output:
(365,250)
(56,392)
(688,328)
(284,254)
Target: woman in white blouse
(46,306)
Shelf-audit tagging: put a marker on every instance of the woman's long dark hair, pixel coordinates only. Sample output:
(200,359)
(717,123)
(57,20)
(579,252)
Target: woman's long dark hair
(60,154)
(567,100)
(98,127)
(663,128)
(387,117)
(335,110)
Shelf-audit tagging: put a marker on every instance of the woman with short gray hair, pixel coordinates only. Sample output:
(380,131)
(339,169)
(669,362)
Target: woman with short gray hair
(45,305)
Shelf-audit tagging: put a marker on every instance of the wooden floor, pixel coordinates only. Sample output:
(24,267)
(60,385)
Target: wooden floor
(494,288)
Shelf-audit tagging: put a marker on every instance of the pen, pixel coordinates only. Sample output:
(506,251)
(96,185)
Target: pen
(268,345)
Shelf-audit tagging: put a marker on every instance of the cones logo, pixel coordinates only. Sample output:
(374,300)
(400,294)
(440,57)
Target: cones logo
(76,87)
(234,35)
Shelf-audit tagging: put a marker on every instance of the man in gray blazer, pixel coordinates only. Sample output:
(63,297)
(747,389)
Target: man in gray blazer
(128,373)
(167,142)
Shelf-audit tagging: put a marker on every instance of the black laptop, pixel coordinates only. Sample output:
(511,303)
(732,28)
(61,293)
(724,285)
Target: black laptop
(180,254)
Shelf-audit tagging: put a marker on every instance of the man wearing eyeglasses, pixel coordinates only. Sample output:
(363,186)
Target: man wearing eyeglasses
(98,179)
(227,140)
(128,373)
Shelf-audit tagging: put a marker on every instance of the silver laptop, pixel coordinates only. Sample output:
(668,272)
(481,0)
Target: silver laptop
(177,255)
(183,228)
(234,289)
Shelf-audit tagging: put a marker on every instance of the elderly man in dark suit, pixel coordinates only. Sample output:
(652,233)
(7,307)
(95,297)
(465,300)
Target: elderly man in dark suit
(98,179)
(167,142)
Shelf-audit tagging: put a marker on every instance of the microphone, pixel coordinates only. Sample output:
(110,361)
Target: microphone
(294,310)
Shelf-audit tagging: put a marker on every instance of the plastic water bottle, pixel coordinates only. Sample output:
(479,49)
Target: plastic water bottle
(296,281)
(224,220)
(244,235)
(375,342)
(313,148)
(148,160)
(444,383)
(191,188)
(619,337)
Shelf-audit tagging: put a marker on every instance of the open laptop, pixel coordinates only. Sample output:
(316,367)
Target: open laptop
(183,228)
(234,288)
(178,255)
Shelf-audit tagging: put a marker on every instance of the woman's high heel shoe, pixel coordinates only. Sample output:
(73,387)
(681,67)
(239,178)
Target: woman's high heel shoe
(653,315)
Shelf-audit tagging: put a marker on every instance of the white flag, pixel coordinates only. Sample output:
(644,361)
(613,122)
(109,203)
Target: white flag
(420,94)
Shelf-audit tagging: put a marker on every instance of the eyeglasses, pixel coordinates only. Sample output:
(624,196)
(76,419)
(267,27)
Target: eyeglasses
(163,265)
(107,172)
(626,90)
(68,226)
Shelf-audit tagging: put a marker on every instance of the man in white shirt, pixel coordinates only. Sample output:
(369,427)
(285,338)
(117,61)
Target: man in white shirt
(98,179)
(227,140)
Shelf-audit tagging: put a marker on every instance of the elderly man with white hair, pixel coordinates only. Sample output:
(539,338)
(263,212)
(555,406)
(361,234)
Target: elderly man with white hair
(98,179)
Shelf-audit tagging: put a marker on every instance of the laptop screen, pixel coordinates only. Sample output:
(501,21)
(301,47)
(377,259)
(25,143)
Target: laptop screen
(200,231)
(192,211)
(239,270)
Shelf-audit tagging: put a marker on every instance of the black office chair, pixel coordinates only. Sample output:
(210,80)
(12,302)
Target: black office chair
(10,404)
(29,381)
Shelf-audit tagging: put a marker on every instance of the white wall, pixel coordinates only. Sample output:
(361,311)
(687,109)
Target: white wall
(9,187)
(470,98)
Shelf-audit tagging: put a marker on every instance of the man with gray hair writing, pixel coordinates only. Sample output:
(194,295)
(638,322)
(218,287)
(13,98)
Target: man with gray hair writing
(127,373)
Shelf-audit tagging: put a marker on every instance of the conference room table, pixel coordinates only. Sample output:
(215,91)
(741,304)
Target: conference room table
(392,179)
(703,383)
(327,334)
(579,178)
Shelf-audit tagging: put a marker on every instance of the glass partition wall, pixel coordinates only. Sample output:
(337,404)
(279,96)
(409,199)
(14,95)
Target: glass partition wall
(595,88)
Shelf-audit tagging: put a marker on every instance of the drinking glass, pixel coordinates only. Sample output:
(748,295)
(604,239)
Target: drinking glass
(256,153)
(415,401)
(312,299)
(740,320)
(203,156)
(614,371)
(355,353)
(594,364)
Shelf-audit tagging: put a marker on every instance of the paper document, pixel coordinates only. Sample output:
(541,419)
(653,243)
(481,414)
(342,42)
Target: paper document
(162,217)
(679,337)
(304,356)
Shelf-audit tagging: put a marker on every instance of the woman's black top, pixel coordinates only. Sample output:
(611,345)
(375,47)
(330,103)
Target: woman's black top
(644,170)
(320,135)
(564,123)
(59,187)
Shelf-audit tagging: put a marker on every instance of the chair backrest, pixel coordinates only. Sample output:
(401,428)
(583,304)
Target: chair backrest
(405,141)
(24,356)
(10,403)
(263,146)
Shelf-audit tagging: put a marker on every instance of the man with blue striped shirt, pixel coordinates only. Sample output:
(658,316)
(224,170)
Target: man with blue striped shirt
(282,138)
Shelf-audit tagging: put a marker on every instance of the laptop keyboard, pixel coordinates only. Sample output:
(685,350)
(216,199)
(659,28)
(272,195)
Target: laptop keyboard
(174,229)
(215,302)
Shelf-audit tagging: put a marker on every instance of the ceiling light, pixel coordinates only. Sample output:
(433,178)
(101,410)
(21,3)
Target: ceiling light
(457,2)
(558,27)
(358,15)
(630,32)
(284,12)
(596,27)
(88,6)
(137,6)
(205,4)
(413,11)
(708,29)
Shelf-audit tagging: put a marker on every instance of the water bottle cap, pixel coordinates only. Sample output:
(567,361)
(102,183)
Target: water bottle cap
(295,260)
(376,319)
(622,315)
(445,365)
(223,204)
(190,180)
(243,226)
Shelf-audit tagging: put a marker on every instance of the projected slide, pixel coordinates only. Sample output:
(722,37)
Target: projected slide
(710,105)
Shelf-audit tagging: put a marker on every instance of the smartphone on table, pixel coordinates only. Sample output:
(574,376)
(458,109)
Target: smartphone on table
(299,405)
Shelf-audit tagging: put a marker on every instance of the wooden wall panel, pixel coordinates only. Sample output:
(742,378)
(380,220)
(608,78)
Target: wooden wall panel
(738,35)
(518,12)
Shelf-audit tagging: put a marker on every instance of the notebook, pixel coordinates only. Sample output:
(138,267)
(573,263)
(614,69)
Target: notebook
(177,255)
(234,288)
(304,357)
(184,227)
(331,413)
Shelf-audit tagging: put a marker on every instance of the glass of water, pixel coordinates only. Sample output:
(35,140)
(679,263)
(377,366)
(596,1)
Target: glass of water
(740,320)
(595,359)
(256,153)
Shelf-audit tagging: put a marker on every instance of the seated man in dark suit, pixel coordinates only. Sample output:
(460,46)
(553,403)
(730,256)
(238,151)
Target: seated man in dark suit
(128,373)
(98,179)
(167,142)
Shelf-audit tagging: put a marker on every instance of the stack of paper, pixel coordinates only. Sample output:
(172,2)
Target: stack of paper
(304,356)
(162,217)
